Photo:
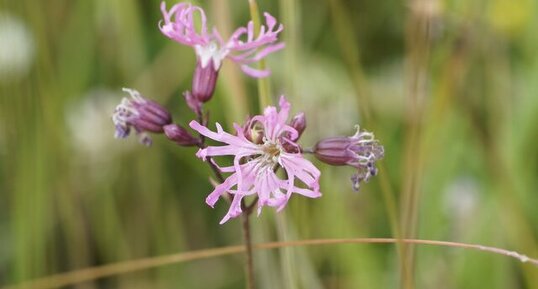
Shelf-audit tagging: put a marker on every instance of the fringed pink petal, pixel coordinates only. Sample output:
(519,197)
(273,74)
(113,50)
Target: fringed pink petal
(221,189)
(266,35)
(222,136)
(266,184)
(219,38)
(182,27)
(307,193)
(271,123)
(253,55)
(223,169)
(270,20)
(300,163)
(235,209)
(256,73)
(254,48)
(228,150)
(284,112)
(303,169)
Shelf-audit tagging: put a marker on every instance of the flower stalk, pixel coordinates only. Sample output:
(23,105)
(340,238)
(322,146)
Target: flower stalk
(264,90)
(247,239)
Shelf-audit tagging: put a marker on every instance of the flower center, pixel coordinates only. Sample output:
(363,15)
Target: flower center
(210,53)
(271,153)
(272,150)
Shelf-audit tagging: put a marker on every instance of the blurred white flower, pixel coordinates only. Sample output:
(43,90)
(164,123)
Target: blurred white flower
(461,200)
(426,8)
(16,48)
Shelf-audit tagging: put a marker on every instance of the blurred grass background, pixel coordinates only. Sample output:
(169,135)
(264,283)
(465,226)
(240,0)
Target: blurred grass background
(450,88)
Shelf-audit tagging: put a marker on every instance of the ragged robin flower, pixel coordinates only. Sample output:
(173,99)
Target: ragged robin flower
(361,151)
(255,164)
(140,114)
(243,47)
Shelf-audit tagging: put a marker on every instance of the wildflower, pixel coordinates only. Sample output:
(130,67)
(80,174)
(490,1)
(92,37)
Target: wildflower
(255,164)
(211,49)
(141,114)
(361,151)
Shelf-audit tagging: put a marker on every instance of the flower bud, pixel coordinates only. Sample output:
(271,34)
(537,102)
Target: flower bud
(204,81)
(141,114)
(298,122)
(180,135)
(361,151)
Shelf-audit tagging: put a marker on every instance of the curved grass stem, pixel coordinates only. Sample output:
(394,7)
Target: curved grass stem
(93,273)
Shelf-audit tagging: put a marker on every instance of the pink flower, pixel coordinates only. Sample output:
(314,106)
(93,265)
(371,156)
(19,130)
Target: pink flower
(210,47)
(255,163)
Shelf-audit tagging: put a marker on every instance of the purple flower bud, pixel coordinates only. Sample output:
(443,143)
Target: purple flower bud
(361,151)
(289,140)
(204,81)
(141,114)
(180,135)
(298,122)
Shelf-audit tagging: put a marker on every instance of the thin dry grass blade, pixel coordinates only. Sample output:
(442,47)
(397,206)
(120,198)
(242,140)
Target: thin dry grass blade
(79,276)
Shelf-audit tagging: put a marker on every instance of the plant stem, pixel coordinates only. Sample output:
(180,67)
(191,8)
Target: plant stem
(418,34)
(203,119)
(264,100)
(215,169)
(263,83)
(248,250)
(346,36)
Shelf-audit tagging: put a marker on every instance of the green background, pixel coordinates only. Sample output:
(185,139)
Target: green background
(450,87)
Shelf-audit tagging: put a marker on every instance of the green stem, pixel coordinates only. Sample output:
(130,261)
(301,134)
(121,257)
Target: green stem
(264,89)
(248,250)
